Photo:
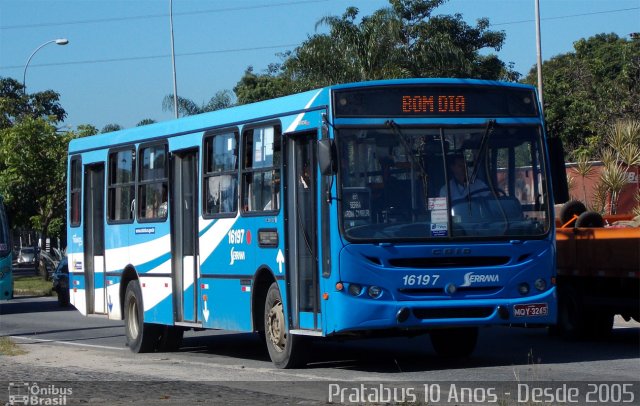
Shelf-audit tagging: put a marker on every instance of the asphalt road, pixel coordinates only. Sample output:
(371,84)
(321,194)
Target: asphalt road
(88,353)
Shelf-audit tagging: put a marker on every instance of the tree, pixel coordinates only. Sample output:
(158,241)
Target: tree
(111,128)
(253,87)
(15,104)
(186,107)
(445,45)
(33,176)
(403,40)
(145,121)
(85,130)
(587,90)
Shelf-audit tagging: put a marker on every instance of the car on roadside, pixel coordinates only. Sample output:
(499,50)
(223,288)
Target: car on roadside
(60,280)
(27,258)
(49,263)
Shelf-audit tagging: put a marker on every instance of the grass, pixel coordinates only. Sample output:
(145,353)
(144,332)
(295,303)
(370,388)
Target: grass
(31,286)
(8,347)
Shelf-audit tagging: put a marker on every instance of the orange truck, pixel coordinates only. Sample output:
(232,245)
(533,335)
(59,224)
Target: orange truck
(598,271)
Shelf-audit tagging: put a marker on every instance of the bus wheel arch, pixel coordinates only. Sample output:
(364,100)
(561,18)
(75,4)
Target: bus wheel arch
(129,274)
(261,283)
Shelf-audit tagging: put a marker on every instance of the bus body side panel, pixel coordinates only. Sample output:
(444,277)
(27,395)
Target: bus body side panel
(149,254)
(6,254)
(228,263)
(6,277)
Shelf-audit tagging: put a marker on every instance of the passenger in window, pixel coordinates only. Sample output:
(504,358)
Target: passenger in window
(459,185)
(162,209)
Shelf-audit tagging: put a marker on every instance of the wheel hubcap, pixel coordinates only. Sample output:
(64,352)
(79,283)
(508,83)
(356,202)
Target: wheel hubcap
(132,319)
(275,325)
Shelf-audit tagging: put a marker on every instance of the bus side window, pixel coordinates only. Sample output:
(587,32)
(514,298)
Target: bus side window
(153,184)
(75,191)
(221,174)
(121,185)
(261,171)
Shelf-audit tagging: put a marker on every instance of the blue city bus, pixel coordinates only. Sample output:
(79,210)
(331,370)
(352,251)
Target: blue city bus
(6,275)
(396,207)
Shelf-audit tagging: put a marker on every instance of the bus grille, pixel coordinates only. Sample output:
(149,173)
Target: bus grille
(453,313)
(471,290)
(448,262)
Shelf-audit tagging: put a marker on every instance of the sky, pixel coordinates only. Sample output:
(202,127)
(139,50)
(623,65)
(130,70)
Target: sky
(117,66)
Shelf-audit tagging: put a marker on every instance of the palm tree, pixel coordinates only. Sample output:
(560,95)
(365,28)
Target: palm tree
(111,127)
(584,169)
(614,176)
(630,151)
(186,107)
(624,142)
(351,52)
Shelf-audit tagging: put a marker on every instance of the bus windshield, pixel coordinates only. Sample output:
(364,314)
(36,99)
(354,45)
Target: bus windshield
(437,183)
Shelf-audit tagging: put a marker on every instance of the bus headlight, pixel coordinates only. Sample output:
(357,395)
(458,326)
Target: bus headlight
(523,288)
(355,289)
(540,284)
(375,291)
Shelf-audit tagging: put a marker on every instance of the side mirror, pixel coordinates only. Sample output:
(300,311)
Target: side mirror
(326,155)
(558,171)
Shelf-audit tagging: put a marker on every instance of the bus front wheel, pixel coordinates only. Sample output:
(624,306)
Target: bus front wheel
(285,350)
(141,336)
(454,342)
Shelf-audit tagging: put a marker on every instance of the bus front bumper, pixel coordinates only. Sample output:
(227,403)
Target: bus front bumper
(371,314)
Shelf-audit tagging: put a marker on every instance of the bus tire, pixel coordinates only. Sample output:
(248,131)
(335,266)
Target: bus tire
(459,342)
(590,219)
(570,209)
(141,336)
(170,338)
(285,350)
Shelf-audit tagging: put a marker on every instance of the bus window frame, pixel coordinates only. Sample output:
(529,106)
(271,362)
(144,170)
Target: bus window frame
(109,186)
(275,124)
(139,182)
(209,135)
(72,190)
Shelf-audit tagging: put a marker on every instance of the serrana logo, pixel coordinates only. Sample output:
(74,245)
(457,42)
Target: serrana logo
(471,278)
(236,256)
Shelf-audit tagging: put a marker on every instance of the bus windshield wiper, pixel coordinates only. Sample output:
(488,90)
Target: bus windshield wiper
(395,128)
(483,146)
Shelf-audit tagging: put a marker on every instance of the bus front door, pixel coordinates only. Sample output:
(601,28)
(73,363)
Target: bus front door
(302,232)
(184,234)
(95,278)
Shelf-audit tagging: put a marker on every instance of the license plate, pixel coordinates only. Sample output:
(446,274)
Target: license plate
(531,310)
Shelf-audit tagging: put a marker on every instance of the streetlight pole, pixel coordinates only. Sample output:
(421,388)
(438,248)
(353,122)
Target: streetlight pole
(539,54)
(59,41)
(173,62)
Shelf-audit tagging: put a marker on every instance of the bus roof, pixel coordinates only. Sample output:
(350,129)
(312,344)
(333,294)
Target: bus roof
(258,111)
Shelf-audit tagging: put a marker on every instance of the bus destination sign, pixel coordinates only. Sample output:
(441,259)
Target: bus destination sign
(435,101)
(432,104)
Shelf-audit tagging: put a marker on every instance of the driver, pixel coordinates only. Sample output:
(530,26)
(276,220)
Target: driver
(458,184)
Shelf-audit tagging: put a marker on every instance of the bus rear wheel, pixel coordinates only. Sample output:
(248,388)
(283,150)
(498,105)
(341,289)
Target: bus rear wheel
(454,342)
(285,350)
(141,336)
